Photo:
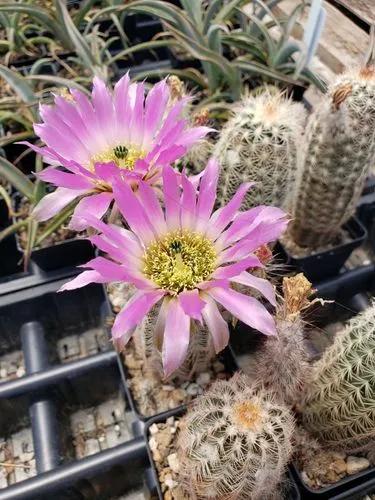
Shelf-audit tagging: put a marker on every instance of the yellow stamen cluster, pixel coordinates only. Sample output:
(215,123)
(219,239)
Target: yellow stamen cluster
(124,157)
(247,415)
(180,261)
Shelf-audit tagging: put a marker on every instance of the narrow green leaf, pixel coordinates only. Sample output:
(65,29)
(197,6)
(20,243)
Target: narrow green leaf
(18,83)
(258,69)
(185,74)
(13,228)
(56,222)
(141,46)
(31,232)
(16,178)
(57,80)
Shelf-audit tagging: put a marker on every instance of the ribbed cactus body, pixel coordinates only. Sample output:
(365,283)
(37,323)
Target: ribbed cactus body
(259,143)
(338,153)
(234,442)
(339,407)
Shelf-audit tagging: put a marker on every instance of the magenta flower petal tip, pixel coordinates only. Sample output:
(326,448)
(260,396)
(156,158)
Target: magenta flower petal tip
(184,253)
(113,134)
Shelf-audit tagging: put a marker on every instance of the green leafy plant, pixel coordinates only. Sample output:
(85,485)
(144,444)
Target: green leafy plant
(231,44)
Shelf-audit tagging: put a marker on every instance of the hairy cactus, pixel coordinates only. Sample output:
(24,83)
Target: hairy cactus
(338,153)
(281,365)
(339,406)
(234,442)
(260,143)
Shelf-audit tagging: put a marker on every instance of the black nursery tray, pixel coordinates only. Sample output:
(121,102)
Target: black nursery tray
(65,414)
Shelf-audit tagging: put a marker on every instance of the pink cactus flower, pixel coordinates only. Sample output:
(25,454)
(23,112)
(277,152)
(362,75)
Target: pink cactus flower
(116,135)
(186,257)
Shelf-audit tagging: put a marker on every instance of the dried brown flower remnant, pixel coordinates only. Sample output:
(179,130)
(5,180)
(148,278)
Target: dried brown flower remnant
(297,291)
(201,117)
(176,87)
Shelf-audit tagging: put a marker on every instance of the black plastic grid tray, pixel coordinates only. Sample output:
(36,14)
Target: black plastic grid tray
(34,321)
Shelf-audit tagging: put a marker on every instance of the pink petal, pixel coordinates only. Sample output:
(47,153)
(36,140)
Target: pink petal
(216,324)
(191,136)
(83,279)
(156,102)
(260,235)
(122,106)
(192,304)
(235,269)
(120,237)
(188,202)
(171,119)
(247,309)
(51,204)
(108,269)
(105,246)
(107,172)
(223,216)
(63,179)
(95,205)
(176,337)
(152,207)
(170,155)
(133,212)
(102,103)
(171,198)
(207,193)
(133,312)
(260,284)
(137,116)
(112,271)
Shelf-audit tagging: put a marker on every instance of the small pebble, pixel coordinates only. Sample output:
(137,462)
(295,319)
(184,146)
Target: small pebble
(173,462)
(153,444)
(356,464)
(153,429)
(203,379)
(193,389)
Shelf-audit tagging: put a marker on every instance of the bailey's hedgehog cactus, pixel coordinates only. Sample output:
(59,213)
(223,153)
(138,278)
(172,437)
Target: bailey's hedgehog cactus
(339,406)
(234,442)
(338,154)
(260,143)
(281,365)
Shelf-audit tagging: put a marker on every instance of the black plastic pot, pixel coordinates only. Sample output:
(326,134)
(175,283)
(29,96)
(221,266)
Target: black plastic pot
(152,478)
(64,254)
(10,256)
(321,265)
(350,488)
